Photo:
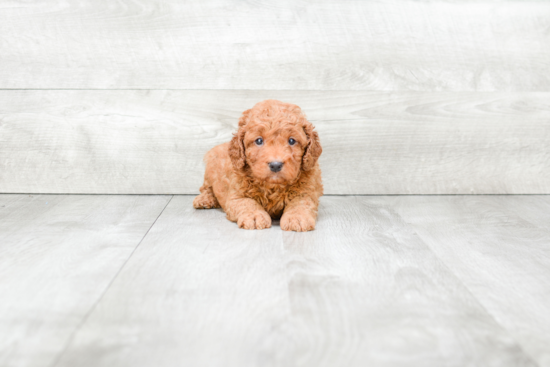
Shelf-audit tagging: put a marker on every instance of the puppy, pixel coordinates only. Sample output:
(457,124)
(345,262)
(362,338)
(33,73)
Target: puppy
(268,170)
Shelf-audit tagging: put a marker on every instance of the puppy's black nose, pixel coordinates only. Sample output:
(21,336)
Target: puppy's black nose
(275,166)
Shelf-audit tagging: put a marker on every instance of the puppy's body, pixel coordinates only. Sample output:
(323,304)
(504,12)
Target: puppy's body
(222,183)
(240,176)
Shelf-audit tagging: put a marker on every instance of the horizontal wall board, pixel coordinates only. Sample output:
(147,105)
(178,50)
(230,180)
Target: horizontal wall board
(152,142)
(307,44)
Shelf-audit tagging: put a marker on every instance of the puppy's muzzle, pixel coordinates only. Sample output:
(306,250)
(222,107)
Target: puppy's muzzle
(275,166)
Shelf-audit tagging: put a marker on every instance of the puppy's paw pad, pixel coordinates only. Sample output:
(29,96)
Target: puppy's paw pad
(297,223)
(255,220)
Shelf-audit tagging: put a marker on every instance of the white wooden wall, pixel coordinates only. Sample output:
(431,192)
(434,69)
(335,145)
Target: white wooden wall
(409,97)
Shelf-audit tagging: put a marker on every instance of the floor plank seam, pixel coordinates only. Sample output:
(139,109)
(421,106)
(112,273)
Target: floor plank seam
(85,318)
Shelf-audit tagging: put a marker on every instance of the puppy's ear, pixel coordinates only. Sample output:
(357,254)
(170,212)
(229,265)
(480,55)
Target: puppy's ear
(313,149)
(236,145)
(244,118)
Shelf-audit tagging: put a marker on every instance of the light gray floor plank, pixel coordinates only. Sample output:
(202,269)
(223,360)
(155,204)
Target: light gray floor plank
(197,292)
(57,256)
(315,45)
(362,289)
(499,246)
(374,143)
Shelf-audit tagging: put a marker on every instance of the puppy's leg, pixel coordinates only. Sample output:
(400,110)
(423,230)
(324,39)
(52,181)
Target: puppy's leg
(300,214)
(206,200)
(247,213)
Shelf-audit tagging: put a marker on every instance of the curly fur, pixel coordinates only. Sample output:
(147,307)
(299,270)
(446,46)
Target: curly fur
(238,177)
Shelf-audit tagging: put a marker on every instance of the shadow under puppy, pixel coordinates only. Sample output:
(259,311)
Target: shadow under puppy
(268,170)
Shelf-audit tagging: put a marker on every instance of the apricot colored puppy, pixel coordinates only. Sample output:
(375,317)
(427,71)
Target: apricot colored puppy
(268,170)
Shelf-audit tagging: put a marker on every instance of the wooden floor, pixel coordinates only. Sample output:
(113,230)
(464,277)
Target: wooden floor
(102,280)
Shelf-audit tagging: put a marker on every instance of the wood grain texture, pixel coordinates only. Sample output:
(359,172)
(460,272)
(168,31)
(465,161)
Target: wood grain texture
(499,247)
(197,292)
(58,254)
(315,45)
(152,142)
(362,289)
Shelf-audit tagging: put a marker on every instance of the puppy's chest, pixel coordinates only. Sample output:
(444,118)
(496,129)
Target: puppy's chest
(273,201)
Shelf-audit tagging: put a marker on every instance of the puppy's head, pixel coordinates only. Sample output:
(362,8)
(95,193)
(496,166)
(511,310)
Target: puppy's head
(275,142)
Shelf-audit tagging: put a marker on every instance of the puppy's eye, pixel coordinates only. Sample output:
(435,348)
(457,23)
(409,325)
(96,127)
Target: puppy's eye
(291,141)
(259,141)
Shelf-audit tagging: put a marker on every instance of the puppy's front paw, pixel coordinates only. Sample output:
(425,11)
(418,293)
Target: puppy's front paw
(255,220)
(297,222)
(205,201)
